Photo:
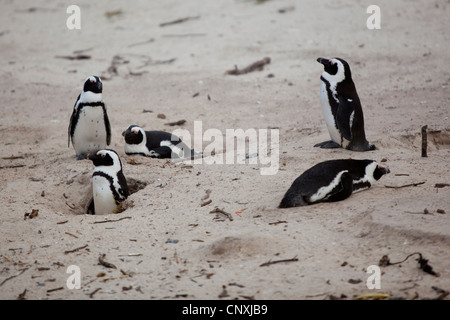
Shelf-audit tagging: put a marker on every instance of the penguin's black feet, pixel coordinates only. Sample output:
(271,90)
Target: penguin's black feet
(362,147)
(82,156)
(330,144)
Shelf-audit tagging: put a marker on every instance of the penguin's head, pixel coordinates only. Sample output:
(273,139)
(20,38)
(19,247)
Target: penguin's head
(379,172)
(133,135)
(93,84)
(373,171)
(335,69)
(366,173)
(106,158)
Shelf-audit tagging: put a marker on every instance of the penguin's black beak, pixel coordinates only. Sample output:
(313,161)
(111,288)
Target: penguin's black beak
(384,170)
(379,172)
(99,86)
(325,62)
(123,133)
(93,156)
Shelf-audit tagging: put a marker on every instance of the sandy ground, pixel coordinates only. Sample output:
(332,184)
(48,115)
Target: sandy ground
(166,245)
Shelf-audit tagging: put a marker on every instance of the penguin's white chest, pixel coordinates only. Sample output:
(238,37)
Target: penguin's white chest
(328,115)
(103,197)
(137,148)
(90,132)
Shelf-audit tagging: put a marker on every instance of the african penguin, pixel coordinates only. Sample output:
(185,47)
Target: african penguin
(109,186)
(89,127)
(155,144)
(332,180)
(341,107)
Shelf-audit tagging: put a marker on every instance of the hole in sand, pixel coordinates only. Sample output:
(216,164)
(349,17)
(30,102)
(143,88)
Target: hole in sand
(244,245)
(134,185)
(78,194)
(437,139)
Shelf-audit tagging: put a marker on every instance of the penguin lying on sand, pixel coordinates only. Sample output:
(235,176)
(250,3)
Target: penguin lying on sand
(89,127)
(109,186)
(341,107)
(332,180)
(155,144)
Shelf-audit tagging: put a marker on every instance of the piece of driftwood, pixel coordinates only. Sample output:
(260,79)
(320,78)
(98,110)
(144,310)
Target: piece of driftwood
(175,123)
(75,250)
(406,185)
(14,166)
(424,141)
(181,20)
(13,276)
(101,261)
(268,263)
(441,185)
(220,211)
(75,57)
(423,263)
(105,221)
(258,65)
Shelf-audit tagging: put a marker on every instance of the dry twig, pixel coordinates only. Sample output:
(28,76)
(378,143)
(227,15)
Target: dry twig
(258,65)
(181,20)
(424,141)
(406,185)
(268,263)
(75,250)
(101,261)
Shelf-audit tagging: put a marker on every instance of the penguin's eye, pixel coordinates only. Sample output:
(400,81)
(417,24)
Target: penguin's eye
(331,62)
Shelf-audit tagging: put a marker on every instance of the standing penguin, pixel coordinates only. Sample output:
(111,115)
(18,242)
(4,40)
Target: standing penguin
(109,186)
(89,128)
(155,144)
(332,180)
(341,107)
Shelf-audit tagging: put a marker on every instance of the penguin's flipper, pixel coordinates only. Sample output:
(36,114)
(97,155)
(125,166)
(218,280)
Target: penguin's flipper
(108,127)
(330,144)
(343,117)
(69,133)
(343,190)
(124,191)
(73,119)
(161,153)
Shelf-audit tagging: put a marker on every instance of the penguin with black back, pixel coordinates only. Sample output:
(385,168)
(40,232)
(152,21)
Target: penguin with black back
(109,186)
(89,127)
(341,107)
(332,180)
(155,144)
